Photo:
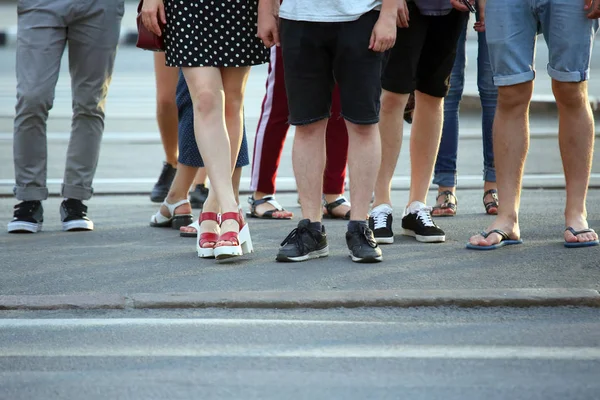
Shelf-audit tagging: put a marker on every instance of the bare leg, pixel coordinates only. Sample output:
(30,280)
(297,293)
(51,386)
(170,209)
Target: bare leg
(207,89)
(179,190)
(235,180)
(425,138)
(511,143)
(576,140)
(364,160)
(308,158)
(390,130)
(166,107)
(201,177)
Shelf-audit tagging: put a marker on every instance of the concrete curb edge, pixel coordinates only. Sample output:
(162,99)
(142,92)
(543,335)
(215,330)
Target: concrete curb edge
(470,101)
(468,298)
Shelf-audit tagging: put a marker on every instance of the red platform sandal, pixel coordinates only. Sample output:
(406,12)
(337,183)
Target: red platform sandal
(207,237)
(242,243)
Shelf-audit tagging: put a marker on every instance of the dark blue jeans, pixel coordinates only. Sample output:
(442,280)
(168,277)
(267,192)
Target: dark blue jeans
(445,166)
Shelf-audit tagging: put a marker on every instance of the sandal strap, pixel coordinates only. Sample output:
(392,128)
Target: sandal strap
(267,199)
(494,202)
(575,233)
(447,193)
(208,237)
(500,232)
(233,215)
(232,237)
(172,207)
(209,216)
(340,201)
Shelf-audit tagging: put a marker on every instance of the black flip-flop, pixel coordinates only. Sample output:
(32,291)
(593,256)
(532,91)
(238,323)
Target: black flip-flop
(505,240)
(580,244)
(267,214)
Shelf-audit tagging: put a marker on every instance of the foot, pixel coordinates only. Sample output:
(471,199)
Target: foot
(206,226)
(229,225)
(28,217)
(361,243)
(446,204)
(380,222)
(490,201)
(304,243)
(578,223)
(73,214)
(162,186)
(269,208)
(198,196)
(336,207)
(417,222)
(511,228)
(184,209)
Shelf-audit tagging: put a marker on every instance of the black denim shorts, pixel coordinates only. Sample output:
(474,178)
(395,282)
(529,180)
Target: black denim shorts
(316,55)
(424,54)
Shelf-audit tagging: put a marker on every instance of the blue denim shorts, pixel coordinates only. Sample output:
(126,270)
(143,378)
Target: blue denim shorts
(511,30)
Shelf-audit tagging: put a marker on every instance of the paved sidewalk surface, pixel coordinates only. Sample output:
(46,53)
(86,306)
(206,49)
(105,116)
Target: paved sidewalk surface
(124,257)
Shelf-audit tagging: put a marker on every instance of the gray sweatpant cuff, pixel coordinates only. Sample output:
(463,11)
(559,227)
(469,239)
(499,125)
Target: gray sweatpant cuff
(30,193)
(76,192)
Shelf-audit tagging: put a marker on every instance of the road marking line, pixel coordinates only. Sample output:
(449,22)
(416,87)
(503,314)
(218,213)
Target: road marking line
(344,351)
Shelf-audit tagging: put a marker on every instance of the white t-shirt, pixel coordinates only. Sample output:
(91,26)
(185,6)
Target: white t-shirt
(327,10)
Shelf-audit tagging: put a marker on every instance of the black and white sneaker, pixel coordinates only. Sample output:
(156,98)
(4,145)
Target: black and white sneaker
(380,222)
(417,222)
(162,186)
(28,217)
(362,245)
(304,243)
(73,214)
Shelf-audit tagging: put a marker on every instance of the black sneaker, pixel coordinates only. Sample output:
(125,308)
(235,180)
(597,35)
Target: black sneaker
(28,217)
(162,186)
(380,222)
(417,222)
(73,214)
(362,245)
(198,196)
(303,244)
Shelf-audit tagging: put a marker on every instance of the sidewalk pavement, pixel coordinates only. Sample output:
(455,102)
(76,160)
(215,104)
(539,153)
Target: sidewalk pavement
(125,263)
(542,101)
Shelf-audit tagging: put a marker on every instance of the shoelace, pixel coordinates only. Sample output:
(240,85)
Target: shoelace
(380,220)
(364,231)
(24,208)
(295,237)
(424,214)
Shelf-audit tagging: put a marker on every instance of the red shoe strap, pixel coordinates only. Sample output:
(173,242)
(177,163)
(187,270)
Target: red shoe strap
(232,215)
(208,237)
(230,237)
(209,216)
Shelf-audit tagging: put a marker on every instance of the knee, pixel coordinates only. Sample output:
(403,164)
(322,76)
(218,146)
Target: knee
(34,102)
(233,106)
(516,97)
(569,94)
(361,129)
(207,102)
(392,103)
(165,103)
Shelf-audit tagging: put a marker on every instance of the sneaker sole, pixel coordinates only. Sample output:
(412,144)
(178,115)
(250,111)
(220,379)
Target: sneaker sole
(425,239)
(324,252)
(384,240)
(24,227)
(78,225)
(366,260)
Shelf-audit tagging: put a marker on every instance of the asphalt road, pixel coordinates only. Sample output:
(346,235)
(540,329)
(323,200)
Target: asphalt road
(336,354)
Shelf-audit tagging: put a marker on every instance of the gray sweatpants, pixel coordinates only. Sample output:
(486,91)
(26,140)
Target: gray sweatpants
(91,29)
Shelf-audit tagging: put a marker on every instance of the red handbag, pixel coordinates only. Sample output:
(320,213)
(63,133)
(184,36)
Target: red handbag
(147,40)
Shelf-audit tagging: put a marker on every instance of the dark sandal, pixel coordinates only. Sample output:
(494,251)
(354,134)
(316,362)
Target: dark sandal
(448,207)
(267,214)
(491,204)
(329,207)
(580,244)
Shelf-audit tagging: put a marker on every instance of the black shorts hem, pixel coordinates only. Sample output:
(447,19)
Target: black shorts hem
(361,121)
(308,121)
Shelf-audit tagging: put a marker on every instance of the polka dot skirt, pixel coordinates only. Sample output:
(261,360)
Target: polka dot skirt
(213,33)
